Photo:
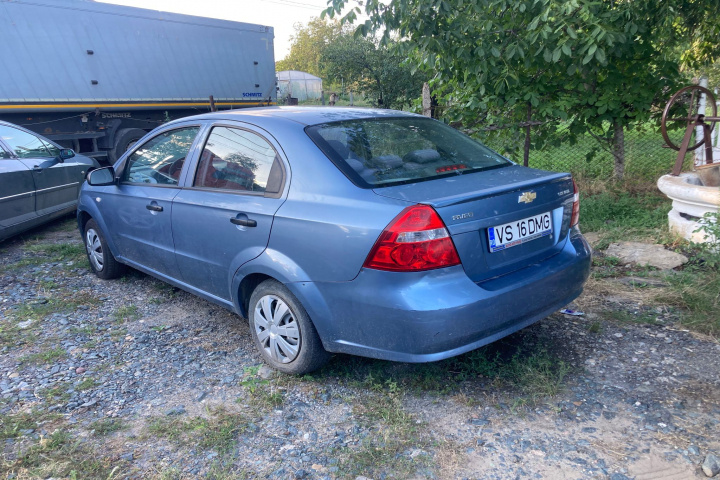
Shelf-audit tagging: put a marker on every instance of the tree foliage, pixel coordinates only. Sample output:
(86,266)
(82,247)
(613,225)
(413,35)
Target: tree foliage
(378,72)
(309,43)
(598,65)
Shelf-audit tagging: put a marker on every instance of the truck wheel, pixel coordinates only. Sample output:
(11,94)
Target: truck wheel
(124,139)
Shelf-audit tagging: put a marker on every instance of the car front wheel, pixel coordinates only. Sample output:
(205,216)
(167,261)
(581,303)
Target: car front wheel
(283,331)
(102,262)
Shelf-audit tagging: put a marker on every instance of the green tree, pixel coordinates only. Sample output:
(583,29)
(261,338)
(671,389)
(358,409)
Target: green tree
(602,66)
(309,43)
(377,71)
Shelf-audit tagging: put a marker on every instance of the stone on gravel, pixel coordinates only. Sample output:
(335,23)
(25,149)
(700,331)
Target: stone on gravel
(646,254)
(266,372)
(180,410)
(711,465)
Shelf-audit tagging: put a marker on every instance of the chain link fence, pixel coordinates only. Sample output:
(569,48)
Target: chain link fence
(646,158)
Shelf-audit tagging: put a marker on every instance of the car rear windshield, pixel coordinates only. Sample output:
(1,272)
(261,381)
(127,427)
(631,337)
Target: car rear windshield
(380,152)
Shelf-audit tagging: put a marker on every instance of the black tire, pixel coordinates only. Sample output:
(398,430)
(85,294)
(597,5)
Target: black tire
(310,353)
(124,139)
(101,260)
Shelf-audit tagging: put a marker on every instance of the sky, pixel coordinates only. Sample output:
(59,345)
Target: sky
(279,14)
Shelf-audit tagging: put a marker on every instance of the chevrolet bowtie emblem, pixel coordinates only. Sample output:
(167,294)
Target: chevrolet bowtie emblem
(527,197)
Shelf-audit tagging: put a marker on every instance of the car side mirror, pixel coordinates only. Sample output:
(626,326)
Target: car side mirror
(65,153)
(101,177)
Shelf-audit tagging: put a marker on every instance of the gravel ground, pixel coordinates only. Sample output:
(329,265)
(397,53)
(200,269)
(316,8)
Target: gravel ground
(135,379)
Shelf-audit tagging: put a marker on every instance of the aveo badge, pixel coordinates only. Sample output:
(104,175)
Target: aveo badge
(527,197)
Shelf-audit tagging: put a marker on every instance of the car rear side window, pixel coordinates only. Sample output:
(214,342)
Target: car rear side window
(379,152)
(25,145)
(238,160)
(160,159)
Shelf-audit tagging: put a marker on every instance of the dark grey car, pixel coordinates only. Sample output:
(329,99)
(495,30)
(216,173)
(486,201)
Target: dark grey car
(39,180)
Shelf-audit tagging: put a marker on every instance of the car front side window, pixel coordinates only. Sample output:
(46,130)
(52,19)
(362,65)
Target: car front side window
(239,160)
(25,145)
(160,160)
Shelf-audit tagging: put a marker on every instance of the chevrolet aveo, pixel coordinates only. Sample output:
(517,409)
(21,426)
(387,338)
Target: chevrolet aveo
(370,232)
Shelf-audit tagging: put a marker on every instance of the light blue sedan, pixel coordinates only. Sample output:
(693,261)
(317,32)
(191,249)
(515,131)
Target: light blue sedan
(370,232)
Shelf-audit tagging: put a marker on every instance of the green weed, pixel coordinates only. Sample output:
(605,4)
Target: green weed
(62,302)
(218,432)
(127,313)
(527,370)
(45,357)
(620,215)
(59,393)
(58,455)
(106,426)
(393,434)
(259,393)
(87,384)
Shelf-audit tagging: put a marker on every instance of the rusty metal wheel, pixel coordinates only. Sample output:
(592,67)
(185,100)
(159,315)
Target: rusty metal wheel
(682,110)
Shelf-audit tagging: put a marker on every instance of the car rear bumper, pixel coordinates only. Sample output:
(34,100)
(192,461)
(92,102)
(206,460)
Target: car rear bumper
(430,316)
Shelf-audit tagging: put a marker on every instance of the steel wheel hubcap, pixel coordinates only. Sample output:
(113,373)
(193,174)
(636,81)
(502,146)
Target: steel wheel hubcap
(276,329)
(94,249)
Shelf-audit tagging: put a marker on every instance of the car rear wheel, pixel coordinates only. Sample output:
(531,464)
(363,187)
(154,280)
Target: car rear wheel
(283,331)
(102,262)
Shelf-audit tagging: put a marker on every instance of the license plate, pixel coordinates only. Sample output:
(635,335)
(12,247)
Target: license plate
(519,231)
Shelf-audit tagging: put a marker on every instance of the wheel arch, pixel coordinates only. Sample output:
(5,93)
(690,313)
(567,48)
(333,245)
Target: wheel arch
(87,211)
(273,265)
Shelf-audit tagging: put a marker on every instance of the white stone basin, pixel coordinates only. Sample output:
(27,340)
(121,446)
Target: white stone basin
(691,201)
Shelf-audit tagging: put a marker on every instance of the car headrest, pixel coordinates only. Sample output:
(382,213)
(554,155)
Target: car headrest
(389,161)
(422,156)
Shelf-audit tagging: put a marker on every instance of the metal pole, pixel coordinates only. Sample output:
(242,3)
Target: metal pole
(699,130)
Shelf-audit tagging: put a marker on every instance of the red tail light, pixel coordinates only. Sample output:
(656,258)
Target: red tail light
(575,218)
(415,240)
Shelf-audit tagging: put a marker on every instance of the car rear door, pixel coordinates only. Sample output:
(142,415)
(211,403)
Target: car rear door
(223,217)
(56,183)
(138,211)
(17,193)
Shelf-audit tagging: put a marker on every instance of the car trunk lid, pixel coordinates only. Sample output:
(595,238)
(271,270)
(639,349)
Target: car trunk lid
(471,204)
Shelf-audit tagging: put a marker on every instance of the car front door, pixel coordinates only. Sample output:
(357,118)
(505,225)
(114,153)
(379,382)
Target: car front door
(56,183)
(223,217)
(138,211)
(17,194)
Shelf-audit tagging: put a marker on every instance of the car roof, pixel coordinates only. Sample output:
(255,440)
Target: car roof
(265,116)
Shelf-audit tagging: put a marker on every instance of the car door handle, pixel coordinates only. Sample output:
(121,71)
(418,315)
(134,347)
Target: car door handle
(243,221)
(154,208)
(37,168)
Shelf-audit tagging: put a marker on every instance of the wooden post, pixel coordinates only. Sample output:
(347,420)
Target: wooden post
(426,100)
(213,108)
